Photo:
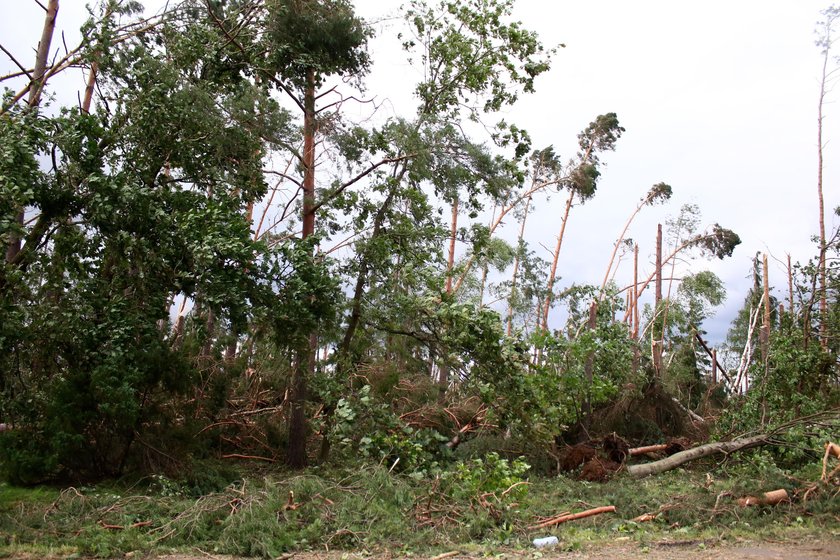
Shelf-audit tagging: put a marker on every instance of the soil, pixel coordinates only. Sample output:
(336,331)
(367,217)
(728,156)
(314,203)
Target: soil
(665,550)
(823,549)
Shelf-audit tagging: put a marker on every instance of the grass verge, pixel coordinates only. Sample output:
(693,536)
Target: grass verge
(266,513)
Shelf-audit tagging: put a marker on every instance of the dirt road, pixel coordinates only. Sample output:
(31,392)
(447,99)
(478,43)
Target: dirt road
(688,550)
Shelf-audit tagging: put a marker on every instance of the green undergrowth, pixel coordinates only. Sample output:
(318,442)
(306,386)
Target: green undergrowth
(484,504)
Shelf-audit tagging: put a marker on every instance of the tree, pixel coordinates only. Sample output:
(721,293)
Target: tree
(140,199)
(825,34)
(600,136)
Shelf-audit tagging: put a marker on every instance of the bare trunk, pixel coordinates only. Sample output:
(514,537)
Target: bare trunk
(820,164)
(91,84)
(636,317)
(450,264)
(36,86)
(714,366)
(790,288)
(305,363)
(656,346)
(658,294)
(637,358)
(552,276)
(765,325)
(207,347)
(589,367)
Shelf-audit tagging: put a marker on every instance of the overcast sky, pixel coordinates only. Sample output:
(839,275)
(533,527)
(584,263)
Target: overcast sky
(718,99)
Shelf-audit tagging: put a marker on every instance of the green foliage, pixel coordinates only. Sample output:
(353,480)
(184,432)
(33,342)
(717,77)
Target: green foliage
(324,36)
(798,381)
(586,368)
(489,475)
(477,59)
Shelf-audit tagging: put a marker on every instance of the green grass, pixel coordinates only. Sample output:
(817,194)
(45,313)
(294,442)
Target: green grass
(366,508)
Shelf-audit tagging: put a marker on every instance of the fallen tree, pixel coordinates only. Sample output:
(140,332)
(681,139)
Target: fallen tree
(674,461)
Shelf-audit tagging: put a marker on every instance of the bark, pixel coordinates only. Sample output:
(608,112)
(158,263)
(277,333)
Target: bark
(674,461)
(589,367)
(572,516)
(765,325)
(635,318)
(790,288)
(767,499)
(36,86)
(648,449)
(91,84)
(656,345)
(450,264)
(821,204)
(714,366)
(658,294)
(305,362)
(207,347)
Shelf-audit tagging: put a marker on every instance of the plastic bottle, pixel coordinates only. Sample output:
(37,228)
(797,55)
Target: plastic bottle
(545,542)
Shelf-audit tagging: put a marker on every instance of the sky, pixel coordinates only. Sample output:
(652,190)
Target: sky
(718,99)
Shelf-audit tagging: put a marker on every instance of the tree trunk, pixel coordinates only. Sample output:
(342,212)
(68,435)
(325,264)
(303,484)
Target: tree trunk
(589,367)
(790,288)
(551,277)
(656,346)
(361,281)
(677,459)
(450,263)
(658,295)
(765,325)
(91,84)
(636,316)
(820,165)
(36,86)
(305,363)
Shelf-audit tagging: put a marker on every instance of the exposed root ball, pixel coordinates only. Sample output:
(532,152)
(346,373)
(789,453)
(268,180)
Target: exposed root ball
(616,448)
(676,445)
(575,456)
(599,470)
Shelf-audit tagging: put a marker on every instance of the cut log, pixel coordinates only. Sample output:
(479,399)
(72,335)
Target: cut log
(674,461)
(648,449)
(557,520)
(768,499)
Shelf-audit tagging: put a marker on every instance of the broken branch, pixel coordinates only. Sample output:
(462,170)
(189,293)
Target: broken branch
(674,461)
(767,499)
(573,516)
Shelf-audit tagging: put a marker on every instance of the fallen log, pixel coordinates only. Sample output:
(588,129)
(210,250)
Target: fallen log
(648,449)
(768,499)
(677,459)
(557,520)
